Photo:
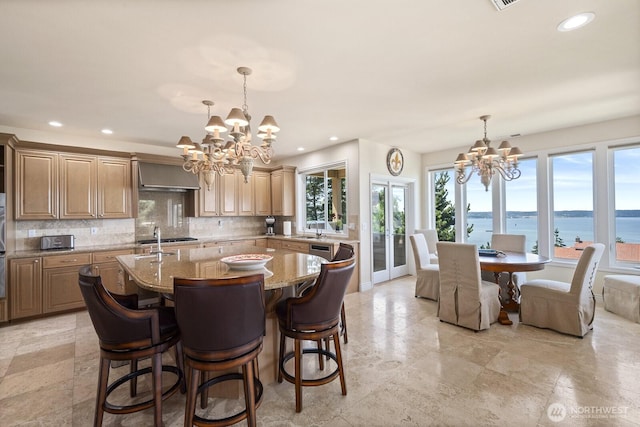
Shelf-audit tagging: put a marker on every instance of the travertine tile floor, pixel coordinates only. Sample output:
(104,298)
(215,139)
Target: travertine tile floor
(403,367)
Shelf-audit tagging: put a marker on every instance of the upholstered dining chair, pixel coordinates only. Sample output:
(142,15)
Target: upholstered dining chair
(568,308)
(431,236)
(314,316)
(427,274)
(222,323)
(465,299)
(507,243)
(129,334)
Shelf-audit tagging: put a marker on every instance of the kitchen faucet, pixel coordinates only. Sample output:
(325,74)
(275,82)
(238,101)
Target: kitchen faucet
(156,234)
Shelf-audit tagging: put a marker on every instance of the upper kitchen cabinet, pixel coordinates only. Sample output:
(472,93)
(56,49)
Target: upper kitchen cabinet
(36,184)
(262,192)
(71,186)
(283,191)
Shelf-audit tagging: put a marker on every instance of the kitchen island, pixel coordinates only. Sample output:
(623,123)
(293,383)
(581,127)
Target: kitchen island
(282,273)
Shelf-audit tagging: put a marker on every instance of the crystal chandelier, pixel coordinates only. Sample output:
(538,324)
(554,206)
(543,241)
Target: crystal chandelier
(486,160)
(214,155)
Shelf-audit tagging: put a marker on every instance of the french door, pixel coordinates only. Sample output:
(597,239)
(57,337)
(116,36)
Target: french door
(388,230)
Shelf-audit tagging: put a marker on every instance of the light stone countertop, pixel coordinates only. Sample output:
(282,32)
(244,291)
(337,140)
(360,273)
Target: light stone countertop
(287,268)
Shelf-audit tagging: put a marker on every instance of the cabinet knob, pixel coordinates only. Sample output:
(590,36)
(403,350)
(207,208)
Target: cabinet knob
(35,261)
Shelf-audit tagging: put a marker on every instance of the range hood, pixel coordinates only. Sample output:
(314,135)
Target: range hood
(159,177)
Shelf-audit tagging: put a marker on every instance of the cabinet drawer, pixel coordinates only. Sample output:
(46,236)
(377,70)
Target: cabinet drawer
(296,246)
(66,260)
(109,256)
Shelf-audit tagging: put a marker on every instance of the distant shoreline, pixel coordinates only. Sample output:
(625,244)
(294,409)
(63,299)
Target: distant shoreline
(620,213)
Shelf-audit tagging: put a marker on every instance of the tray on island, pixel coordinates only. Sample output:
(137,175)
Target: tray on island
(246,261)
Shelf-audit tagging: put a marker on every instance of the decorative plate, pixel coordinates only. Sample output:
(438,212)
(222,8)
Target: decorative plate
(395,161)
(246,261)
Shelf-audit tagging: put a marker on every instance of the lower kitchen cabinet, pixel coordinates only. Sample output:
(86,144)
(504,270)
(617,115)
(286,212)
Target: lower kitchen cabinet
(25,287)
(60,288)
(4,314)
(110,271)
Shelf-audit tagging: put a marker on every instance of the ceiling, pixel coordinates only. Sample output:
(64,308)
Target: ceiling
(415,74)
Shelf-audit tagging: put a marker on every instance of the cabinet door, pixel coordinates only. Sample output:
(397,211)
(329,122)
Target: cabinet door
(36,185)
(228,185)
(112,276)
(60,289)
(276,192)
(246,194)
(262,193)
(78,187)
(114,188)
(25,287)
(208,205)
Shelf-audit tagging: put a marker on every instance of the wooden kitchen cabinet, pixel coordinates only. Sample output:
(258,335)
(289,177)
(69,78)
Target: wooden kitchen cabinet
(25,287)
(283,191)
(246,194)
(295,246)
(110,271)
(60,289)
(208,198)
(36,185)
(71,186)
(262,193)
(228,189)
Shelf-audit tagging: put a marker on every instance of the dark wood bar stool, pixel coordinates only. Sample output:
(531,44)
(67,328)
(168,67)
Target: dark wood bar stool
(223,325)
(129,334)
(314,316)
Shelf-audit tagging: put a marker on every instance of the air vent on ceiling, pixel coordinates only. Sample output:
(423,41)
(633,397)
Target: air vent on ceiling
(503,4)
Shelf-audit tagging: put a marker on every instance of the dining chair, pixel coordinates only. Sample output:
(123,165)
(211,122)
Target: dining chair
(431,236)
(564,307)
(314,316)
(465,299)
(222,323)
(129,334)
(507,243)
(427,274)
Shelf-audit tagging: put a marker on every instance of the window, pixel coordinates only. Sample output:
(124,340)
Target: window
(479,213)
(572,181)
(444,210)
(626,205)
(521,204)
(326,199)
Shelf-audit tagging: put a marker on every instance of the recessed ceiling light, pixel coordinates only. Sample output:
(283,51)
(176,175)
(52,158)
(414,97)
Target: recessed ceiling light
(577,21)
(55,124)
(107,131)
(333,138)
(300,148)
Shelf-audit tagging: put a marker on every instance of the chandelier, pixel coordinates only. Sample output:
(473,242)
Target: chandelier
(214,155)
(486,161)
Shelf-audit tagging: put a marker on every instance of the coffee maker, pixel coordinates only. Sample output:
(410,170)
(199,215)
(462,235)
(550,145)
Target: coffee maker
(270,225)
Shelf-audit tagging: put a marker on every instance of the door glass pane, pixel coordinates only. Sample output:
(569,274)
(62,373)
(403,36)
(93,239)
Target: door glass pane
(572,204)
(399,233)
(521,204)
(378,220)
(479,213)
(627,205)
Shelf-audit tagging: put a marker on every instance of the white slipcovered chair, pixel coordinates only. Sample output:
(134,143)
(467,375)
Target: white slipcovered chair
(431,236)
(428,279)
(507,243)
(465,299)
(568,308)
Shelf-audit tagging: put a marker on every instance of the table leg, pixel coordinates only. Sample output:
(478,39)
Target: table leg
(503,317)
(512,305)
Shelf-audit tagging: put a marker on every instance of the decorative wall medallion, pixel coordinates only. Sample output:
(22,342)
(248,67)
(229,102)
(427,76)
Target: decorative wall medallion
(395,161)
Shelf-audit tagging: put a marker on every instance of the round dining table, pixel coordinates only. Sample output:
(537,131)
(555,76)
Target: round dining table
(511,262)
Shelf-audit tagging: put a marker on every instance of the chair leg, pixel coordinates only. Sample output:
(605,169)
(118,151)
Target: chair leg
(192,395)
(336,342)
(181,367)
(103,378)
(133,384)
(320,359)
(280,357)
(343,319)
(204,396)
(156,368)
(249,393)
(298,370)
